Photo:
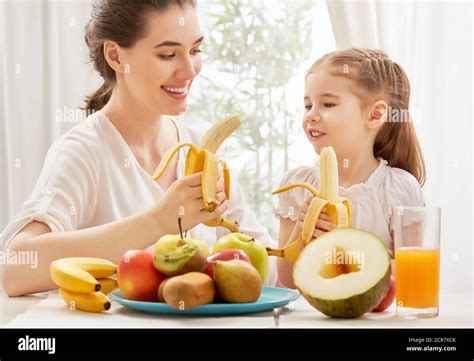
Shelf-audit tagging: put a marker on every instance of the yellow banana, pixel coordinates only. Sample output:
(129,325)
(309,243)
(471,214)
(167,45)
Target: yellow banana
(78,274)
(337,208)
(203,159)
(107,285)
(89,302)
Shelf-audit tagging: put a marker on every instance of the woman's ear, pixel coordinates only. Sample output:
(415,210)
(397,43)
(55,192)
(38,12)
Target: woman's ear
(378,114)
(112,56)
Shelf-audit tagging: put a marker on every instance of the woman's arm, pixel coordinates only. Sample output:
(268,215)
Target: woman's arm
(107,241)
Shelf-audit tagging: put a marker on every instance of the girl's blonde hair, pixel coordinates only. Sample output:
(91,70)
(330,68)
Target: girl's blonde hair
(377,77)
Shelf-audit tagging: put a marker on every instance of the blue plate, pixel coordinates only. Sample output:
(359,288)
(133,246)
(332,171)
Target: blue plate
(270,298)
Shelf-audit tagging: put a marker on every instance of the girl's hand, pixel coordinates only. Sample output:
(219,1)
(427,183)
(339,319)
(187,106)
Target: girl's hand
(183,199)
(323,224)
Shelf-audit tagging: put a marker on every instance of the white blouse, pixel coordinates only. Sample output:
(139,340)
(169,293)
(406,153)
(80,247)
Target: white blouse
(91,177)
(371,202)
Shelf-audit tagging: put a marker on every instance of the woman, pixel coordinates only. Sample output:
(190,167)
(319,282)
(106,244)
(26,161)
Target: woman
(95,196)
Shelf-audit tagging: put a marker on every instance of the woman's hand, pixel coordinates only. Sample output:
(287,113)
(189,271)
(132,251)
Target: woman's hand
(183,199)
(323,224)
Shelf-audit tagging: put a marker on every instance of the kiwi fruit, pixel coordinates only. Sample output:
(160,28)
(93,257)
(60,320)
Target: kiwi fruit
(160,297)
(188,290)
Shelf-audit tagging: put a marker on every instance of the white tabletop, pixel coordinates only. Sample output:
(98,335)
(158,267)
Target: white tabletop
(48,310)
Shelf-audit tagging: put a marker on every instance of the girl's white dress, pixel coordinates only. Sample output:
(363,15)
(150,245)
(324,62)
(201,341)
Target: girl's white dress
(372,202)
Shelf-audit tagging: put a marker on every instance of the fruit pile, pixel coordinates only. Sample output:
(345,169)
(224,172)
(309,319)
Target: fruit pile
(181,271)
(345,273)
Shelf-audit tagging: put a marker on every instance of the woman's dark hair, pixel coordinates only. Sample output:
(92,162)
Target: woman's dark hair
(122,21)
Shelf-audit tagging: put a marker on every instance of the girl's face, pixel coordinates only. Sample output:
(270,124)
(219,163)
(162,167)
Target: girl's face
(163,65)
(333,114)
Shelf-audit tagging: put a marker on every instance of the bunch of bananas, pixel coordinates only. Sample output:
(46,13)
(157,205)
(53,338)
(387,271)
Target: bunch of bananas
(83,282)
(337,208)
(203,159)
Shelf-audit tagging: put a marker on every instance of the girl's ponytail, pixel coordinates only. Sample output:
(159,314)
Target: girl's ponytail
(378,77)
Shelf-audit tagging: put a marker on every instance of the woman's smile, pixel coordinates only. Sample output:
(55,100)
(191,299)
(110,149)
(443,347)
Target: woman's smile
(176,91)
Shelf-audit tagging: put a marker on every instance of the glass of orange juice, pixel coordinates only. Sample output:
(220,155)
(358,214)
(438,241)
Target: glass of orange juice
(416,233)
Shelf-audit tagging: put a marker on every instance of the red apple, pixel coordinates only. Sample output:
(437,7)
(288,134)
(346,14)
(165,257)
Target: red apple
(229,254)
(387,301)
(137,277)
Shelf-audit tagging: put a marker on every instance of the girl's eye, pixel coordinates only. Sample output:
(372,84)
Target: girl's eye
(308,107)
(196,51)
(329,105)
(167,56)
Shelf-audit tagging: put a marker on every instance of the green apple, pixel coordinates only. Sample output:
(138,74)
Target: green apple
(253,248)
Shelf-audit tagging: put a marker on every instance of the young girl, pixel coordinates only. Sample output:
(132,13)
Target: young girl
(356,101)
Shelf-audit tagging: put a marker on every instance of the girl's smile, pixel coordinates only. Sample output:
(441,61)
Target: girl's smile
(314,134)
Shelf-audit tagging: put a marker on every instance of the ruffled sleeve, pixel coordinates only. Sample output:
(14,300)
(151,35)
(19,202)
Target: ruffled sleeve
(289,202)
(401,189)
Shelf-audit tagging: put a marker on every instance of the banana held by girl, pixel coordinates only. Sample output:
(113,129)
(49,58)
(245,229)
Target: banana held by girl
(203,159)
(80,280)
(337,208)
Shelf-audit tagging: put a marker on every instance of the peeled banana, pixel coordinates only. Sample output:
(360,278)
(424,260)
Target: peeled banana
(89,302)
(203,159)
(80,280)
(337,208)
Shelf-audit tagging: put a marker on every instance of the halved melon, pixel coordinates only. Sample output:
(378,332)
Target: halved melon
(344,273)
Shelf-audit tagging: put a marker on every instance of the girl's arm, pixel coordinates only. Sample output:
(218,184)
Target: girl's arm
(107,241)
(289,232)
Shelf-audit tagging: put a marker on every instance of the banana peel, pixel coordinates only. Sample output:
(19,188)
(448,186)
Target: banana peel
(203,159)
(337,208)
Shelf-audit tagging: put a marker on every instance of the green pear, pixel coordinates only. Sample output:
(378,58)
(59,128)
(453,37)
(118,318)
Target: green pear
(175,256)
(237,281)
(253,248)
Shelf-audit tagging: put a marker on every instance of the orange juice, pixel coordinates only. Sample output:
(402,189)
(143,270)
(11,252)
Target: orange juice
(417,277)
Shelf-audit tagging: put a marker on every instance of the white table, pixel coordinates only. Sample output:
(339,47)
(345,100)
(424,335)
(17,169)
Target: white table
(48,310)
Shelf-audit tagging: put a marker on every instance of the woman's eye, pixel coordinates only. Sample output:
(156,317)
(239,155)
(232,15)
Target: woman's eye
(329,105)
(308,107)
(196,51)
(167,56)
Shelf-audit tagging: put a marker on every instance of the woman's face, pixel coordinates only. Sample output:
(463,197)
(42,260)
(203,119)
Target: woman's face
(333,114)
(163,64)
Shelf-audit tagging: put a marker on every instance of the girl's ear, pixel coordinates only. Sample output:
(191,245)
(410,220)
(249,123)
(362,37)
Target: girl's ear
(112,56)
(378,114)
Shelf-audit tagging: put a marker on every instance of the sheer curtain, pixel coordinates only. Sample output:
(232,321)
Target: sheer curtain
(433,43)
(44,76)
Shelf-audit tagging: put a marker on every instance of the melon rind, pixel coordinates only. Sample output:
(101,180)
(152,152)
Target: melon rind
(355,305)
